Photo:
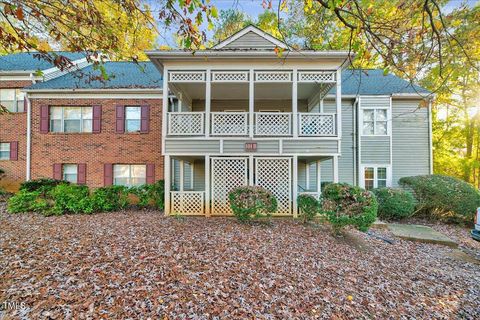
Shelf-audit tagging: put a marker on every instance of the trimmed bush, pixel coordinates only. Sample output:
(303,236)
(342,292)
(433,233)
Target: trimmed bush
(394,204)
(70,199)
(444,197)
(252,202)
(109,198)
(44,185)
(150,194)
(26,201)
(308,207)
(346,205)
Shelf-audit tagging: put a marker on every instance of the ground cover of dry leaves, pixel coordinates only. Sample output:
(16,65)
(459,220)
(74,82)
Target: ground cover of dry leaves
(143,265)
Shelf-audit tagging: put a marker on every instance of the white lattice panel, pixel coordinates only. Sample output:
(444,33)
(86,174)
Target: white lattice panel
(274,174)
(229,76)
(273,123)
(316,76)
(187,202)
(185,123)
(186,76)
(317,124)
(227,174)
(229,123)
(273,76)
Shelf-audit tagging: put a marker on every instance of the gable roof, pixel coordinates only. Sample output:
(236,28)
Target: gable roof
(250,37)
(27,61)
(122,75)
(374,82)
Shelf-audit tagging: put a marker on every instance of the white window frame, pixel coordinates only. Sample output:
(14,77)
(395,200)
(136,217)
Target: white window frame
(3,149)
(375,178)
(15,100)
(63,171)
(129,184)
(62,119)
(388,121)
(139,119)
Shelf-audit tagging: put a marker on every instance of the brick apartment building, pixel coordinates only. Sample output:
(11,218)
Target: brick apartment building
(82,130)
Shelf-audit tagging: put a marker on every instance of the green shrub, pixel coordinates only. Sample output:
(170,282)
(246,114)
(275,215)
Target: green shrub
(394,204)
(109,198)
(150,194)
(348,205)
(308,207)
(252,202)
(25,201)
(70,199)
(444,197)
(44,185)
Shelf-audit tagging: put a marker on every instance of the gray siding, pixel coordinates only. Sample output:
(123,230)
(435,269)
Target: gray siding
(238,146)
(199,175)
(375,150)
(310,146)
(250,41)
(192,146)
(411,155)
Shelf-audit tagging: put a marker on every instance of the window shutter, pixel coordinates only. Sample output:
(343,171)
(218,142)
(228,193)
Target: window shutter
(25,105)
(97,119)
(108,174)
(57,171)
(44,119)
(120,119)
(145,115)
(81,173)
(150,173)
(14,150)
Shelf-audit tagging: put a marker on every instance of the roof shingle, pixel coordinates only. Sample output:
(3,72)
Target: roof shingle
(28,61)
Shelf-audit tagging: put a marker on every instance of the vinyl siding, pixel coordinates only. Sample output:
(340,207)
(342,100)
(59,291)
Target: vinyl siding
(192,146)
(199,175)
(411,155)
(310,146)
(250,41)
(375,149)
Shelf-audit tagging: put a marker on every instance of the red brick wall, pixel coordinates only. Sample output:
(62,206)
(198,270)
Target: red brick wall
(13,127)
(96,149)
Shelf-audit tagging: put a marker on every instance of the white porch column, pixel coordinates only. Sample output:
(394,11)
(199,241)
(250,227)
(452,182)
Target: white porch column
(319,177)
(182,175)
(338,99)
(164,107)
(251,103)
(207,186)
(335,169)
(167,178)
(295,185)
(250,170)
(208,94)
(294,105)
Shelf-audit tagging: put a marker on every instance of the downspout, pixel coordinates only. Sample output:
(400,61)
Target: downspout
(29,136)
(355,141)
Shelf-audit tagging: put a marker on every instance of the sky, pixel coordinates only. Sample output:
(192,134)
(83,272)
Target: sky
(254,7)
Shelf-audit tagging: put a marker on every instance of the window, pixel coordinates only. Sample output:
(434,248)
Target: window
(71,119)
(5,151)
(375,122)
(129,175)
(133,116)
(70,173)
(375,177)
(12,99)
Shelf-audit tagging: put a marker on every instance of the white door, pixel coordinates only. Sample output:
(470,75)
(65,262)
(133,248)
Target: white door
(275,175)
(227,174)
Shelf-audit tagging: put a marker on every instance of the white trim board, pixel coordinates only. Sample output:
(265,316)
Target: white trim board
(255,30)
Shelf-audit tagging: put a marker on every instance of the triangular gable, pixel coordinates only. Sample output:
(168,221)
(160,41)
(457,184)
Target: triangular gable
(251,37)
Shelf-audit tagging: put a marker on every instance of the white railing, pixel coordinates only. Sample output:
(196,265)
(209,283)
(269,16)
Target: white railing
(186,123)
(187,202)
(273,123)
(316,124)
(229,123)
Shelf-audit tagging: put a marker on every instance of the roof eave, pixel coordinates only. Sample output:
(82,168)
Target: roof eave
(93,90)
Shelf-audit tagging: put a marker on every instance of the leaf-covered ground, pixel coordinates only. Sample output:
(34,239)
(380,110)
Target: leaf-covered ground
(141,264)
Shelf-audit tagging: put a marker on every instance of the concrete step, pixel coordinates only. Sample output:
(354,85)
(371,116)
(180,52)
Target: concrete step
(419,233)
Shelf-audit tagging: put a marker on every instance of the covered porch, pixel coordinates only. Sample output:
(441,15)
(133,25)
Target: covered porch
(199,185)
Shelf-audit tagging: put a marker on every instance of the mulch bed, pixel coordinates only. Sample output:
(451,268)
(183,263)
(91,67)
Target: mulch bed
(141,264)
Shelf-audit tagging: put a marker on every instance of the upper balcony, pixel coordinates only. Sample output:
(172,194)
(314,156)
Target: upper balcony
(252,103)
